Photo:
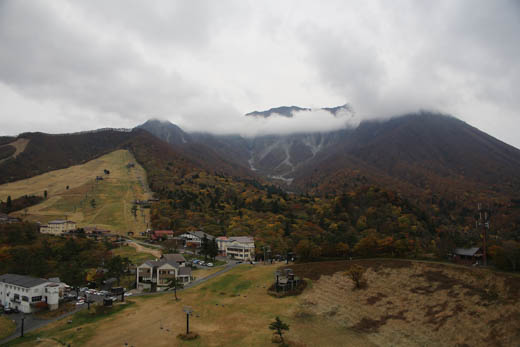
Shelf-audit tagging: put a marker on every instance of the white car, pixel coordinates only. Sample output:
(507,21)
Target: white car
(81,302)
(209,264)
(129,294)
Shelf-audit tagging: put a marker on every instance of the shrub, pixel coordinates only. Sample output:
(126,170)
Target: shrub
(356,274)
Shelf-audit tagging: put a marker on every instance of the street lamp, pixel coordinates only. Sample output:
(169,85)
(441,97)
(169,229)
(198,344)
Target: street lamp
(188,310)
(23,319)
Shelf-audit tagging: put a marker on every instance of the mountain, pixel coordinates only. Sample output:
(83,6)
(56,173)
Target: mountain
(197,147)
(416,154)
(425,150)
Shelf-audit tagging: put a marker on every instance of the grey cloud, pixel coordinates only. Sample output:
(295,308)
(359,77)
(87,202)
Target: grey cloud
(203,64)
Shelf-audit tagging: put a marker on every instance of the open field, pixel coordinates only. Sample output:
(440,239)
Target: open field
(404,304)
(7,327)
(105,204)
(136,257)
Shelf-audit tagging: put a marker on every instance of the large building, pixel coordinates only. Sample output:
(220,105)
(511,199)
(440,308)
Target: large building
(161,235)
(156,274)
(27,293)
(194,238)
(58,227)
(5,219)
(237,247)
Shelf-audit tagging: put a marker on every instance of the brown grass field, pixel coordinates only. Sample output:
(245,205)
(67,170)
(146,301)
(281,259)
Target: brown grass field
(113,196)
(7,327)
(404,304)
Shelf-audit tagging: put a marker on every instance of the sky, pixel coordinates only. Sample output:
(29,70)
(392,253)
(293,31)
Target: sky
(70,66)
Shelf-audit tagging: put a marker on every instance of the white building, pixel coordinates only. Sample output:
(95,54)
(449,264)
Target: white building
(25,292)
(58,227)
(237,247)
(158,273)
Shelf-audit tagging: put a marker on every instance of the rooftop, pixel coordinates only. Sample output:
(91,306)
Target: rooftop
(179,258)
(467,251)
(22,281)
(60,221)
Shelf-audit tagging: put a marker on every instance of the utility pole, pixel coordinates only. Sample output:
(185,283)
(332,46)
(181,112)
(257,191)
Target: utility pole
(483,221)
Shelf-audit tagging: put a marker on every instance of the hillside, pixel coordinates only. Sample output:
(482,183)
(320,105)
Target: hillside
(45,152)
(74,193)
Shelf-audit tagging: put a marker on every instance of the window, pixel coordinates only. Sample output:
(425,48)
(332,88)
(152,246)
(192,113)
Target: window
(25,298)
(36,298)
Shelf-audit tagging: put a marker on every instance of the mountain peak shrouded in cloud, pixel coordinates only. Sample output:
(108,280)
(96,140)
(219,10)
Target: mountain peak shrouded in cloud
(286,111)
(72,66)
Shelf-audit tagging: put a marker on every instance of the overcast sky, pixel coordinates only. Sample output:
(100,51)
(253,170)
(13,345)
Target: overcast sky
(69,66)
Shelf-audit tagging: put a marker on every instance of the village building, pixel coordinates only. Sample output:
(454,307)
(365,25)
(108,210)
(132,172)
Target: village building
(27,293)
(58,227)
(468,256)
(5,219)
(194,238)
(161,235)
(237,247)
(94,230)
(155,275)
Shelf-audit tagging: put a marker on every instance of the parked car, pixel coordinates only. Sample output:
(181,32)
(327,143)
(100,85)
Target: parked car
(209,264)
(8,310)
(128,294)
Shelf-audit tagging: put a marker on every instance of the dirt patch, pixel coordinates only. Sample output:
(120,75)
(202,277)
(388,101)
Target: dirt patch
(369,325)
(376,298)
(142,249)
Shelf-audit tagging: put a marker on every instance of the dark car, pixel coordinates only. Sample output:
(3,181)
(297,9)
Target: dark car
(9,310)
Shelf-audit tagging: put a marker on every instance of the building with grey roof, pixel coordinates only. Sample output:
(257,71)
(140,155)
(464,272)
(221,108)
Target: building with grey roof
(27,293)
(157,274)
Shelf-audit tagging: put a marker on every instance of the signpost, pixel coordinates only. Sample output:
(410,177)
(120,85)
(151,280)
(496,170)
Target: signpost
(188,310)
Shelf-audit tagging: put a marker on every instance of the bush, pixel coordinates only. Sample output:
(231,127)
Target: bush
(356,274)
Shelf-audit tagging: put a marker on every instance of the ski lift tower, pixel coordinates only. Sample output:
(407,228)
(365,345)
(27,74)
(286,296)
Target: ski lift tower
(483,222)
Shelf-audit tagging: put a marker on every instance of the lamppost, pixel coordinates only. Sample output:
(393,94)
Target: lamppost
(23,319)
(188,310)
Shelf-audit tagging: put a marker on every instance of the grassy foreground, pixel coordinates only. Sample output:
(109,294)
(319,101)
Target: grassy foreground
(7,327)
(230,310)
(405,303)
(105,204)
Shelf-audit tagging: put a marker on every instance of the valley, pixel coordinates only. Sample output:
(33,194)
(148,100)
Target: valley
(75,194)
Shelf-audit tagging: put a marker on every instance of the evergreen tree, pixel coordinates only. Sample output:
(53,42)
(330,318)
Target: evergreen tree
(204,247)
(9,204)
(279,327)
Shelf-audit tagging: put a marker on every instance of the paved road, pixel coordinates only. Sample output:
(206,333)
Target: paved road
(32,323)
